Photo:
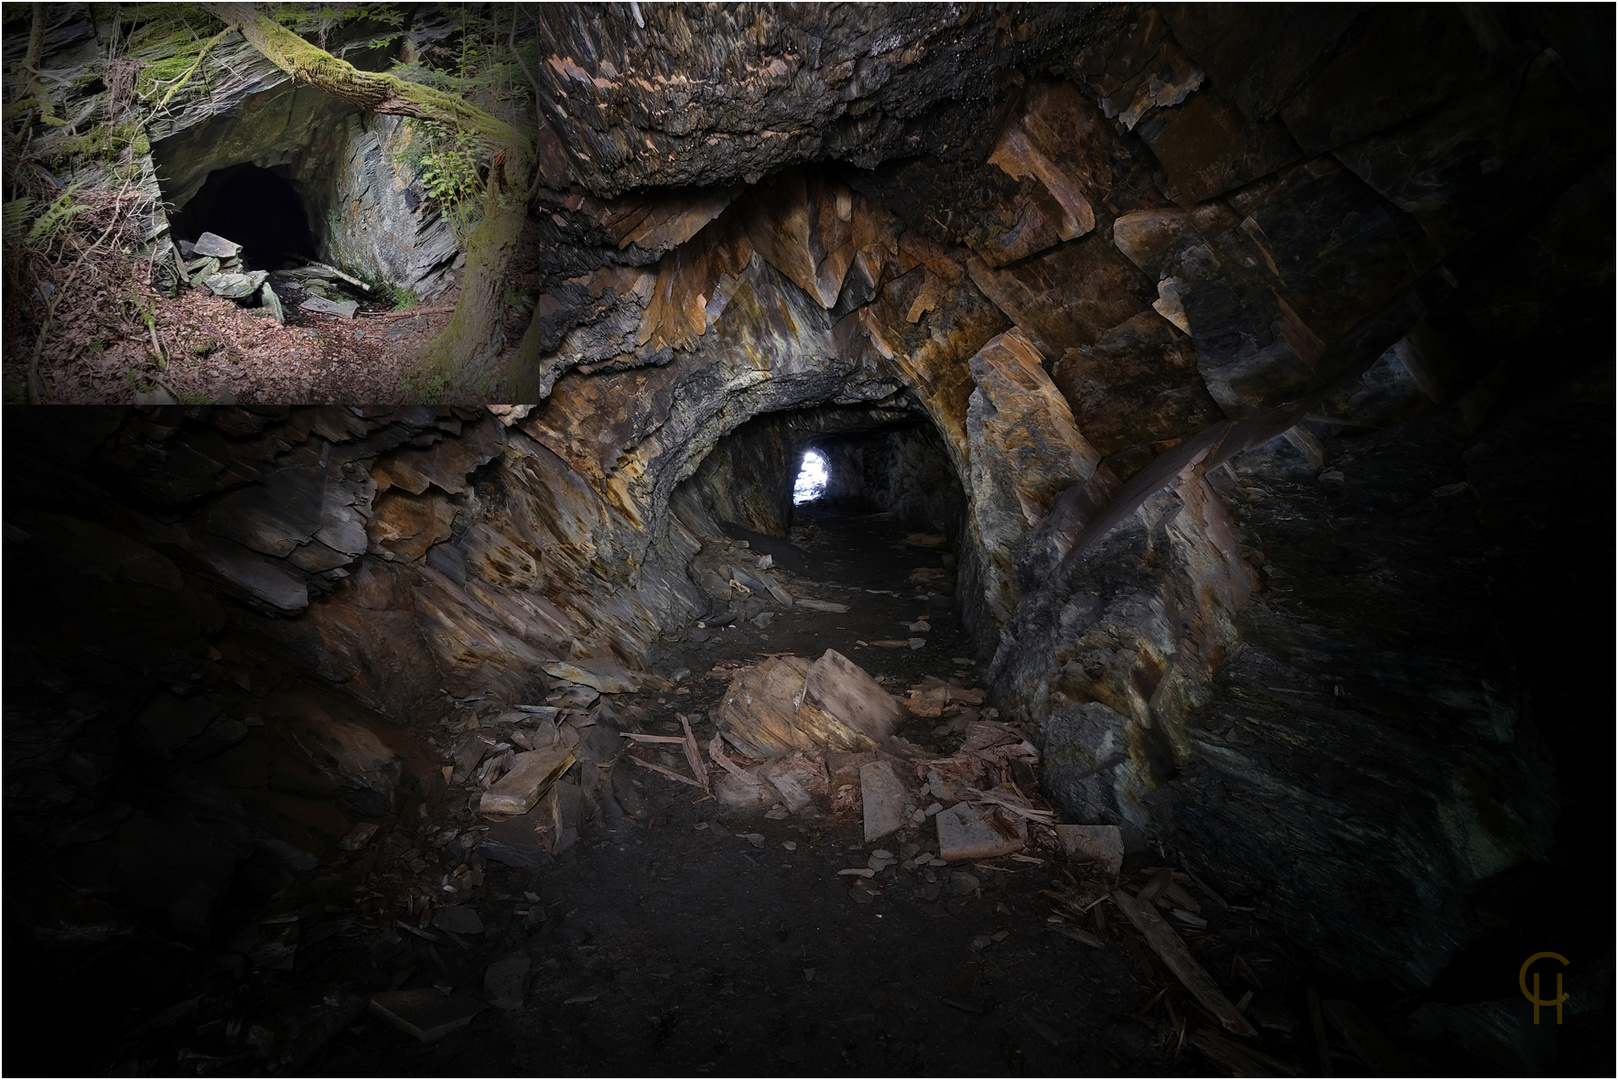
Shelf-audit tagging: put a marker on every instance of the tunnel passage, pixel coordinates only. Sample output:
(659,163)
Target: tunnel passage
(259,209)
(876,459)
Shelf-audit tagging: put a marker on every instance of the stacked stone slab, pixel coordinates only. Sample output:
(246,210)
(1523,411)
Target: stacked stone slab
(215,264)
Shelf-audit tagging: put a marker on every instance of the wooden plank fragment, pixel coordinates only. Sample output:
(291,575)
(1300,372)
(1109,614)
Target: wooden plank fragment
(716,750)
(693,756)
(640,737)
(670,773)
(1171,949)
(1082,936)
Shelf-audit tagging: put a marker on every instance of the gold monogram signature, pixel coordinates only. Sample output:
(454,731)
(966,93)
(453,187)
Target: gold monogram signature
(1533,995)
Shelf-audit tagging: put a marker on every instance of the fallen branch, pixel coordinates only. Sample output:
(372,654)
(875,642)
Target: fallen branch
(354,281)
(407,314)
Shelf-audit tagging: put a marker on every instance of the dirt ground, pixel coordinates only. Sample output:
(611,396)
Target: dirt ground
(201,348)
(674,937)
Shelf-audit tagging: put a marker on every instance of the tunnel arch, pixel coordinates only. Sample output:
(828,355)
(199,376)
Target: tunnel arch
(879,459)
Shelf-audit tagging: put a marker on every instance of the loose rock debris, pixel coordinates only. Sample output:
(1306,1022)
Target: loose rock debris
(947,813)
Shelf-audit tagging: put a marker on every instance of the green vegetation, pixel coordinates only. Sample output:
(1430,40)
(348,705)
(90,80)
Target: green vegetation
(447,164)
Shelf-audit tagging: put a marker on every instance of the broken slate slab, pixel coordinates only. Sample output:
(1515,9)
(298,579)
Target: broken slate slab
(196,272)
(426,1013)
(235,286)
(966,832)
(744,793)
(602,675)
(217,246)
(883,795)
(532,775)
(822,605)
(799,777)
(358,836)
(840,688)
(342,308)
(762,583)
(458,919)
(1102,844)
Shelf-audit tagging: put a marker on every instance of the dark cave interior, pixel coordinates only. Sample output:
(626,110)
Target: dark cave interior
(252,206)
(1208,398)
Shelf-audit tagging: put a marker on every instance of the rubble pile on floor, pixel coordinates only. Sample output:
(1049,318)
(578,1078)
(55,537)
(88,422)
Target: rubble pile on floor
(790,738)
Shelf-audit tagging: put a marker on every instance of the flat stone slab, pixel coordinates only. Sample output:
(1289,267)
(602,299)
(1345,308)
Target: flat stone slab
(1103,844)
(965,832)
(760,582)
(601,675)
(798,778)
(822,605)
(217,246)
(531,776)
(426,1013)
(883,796)
(344,309)
(235,286)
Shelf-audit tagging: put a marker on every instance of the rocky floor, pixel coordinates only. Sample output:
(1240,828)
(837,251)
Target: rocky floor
(653,931)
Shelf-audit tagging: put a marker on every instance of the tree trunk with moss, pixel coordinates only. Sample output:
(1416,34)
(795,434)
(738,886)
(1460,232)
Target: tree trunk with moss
(475,332)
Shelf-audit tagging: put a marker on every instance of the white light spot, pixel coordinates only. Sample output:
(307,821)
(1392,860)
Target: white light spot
(811,483)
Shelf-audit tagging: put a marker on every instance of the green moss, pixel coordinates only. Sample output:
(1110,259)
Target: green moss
(103,143)
(168,44)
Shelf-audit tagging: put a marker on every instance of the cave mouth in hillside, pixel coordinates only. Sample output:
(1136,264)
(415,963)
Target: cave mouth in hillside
(257,208)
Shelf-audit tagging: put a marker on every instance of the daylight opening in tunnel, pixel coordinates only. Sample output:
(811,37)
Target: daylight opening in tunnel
(254,207)
(811,482)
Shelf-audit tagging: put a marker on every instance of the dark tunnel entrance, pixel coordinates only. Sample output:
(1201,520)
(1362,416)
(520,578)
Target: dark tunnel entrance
(255,207)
